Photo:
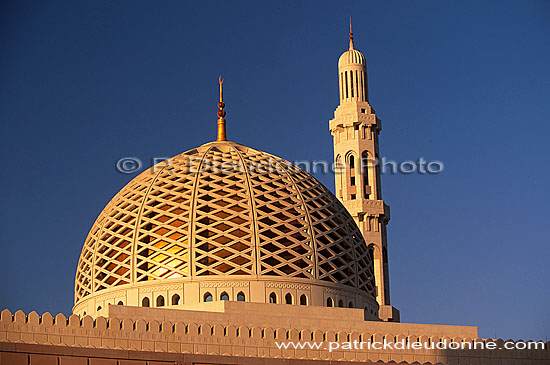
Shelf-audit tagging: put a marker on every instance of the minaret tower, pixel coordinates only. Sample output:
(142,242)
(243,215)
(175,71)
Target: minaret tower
(355,129)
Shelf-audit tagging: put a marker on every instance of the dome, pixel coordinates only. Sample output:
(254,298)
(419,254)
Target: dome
(223,216)
(352,57)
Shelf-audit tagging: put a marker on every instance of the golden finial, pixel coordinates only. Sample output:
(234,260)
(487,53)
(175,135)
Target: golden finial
(221,114)
(350,35)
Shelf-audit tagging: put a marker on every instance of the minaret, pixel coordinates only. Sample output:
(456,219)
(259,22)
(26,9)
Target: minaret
(355,130)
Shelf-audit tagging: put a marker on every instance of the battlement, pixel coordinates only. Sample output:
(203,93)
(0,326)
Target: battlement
(230,331)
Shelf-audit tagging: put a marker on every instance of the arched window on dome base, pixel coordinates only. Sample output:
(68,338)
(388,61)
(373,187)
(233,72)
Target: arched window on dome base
(288,298)
(176,299)
(241,297)
(145,302)
(224,296)
(330,302)
(160,301)
(303,299)
(273,298)
(207,297)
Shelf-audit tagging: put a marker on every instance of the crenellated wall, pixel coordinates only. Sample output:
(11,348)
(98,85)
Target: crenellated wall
(225,333)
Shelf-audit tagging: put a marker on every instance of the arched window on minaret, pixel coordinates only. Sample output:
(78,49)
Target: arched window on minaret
(346,79)
(352,190)
(365,90)
(378,190)
(360,86)
(352,82)
(357,83)
(339,171)
(367,174)
(341,86)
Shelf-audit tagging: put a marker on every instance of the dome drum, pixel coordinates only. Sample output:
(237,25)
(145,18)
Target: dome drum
(189,294)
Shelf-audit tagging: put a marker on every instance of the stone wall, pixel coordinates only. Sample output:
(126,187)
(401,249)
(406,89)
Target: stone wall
(216,337)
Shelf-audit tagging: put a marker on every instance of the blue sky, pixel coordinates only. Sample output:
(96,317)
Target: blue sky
(84,84)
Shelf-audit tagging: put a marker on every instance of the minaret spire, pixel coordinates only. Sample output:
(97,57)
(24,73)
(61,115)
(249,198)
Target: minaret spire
(221,113)
(350,35)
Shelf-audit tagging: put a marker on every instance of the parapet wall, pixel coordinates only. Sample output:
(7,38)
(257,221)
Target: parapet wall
(217,337)
(310,318)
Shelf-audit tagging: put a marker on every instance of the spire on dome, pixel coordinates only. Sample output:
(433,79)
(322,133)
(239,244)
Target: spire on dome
(221,114)
(350,35)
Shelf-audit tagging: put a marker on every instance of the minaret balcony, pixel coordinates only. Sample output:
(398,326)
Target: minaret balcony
(375,207)
(348,119)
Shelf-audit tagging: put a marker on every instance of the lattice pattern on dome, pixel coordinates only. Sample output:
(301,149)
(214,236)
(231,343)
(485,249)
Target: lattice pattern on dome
(223,210)
(162,244)
(223,242)
(285,247)
(341,252)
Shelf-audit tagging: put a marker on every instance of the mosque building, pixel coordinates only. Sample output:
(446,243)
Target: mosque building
(221,253)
